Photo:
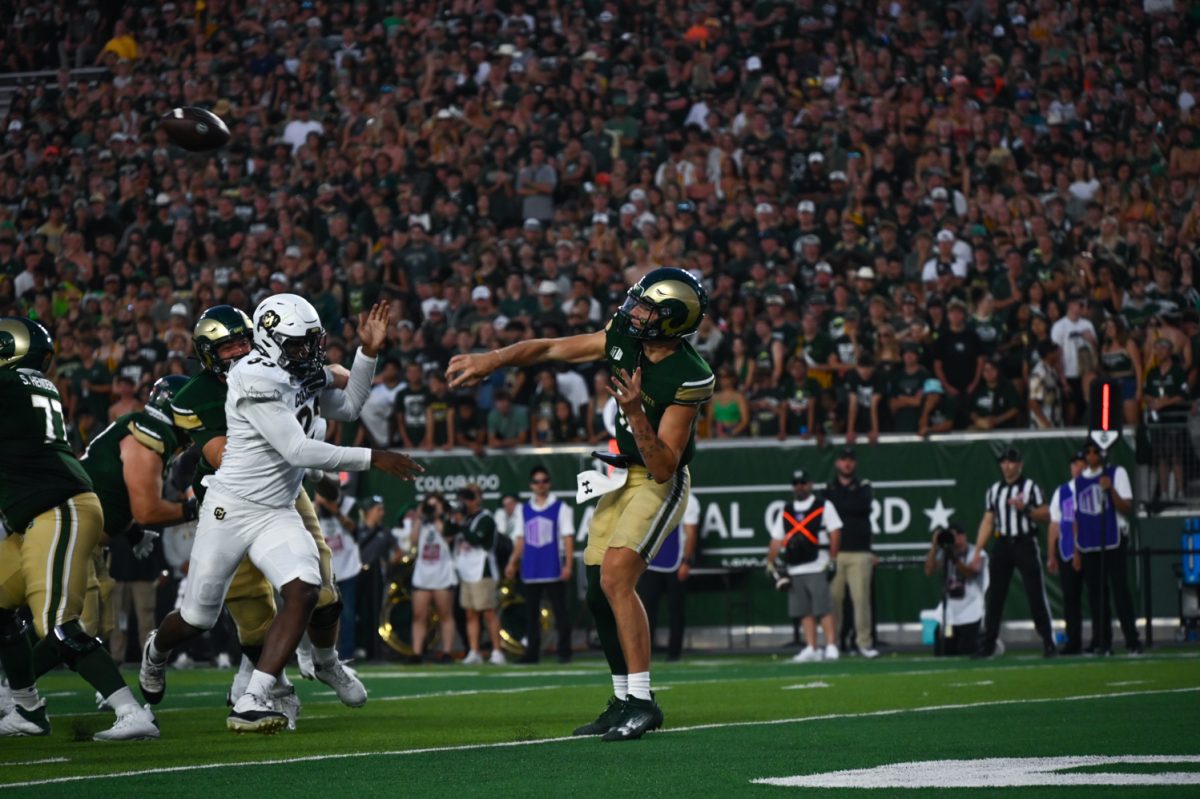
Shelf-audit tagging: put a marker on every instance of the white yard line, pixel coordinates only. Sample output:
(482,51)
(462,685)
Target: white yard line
(35,762)
(565,739)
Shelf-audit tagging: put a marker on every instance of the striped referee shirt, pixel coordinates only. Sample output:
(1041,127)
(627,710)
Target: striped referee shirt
(1010,522)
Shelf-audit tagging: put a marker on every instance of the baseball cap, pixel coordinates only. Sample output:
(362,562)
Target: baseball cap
(279,277)
(1010,454)
(1077,455)
(179,309)
(837,174)
(933,386)
(763,208)
(371,502)
(481,293)
(823,266)
(637,195)
(847,453)
(753,64)
(628,209)
(547,288)
(292,252)
(800,476)
(865,273)
(162,198)
(938,194)
(946,235)
(532,224)
(814,158)
(806,206)
(599,219)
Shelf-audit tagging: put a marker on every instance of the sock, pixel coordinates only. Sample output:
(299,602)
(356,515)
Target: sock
(16,658)
(639,685)
(26,698)
(122,701)
(620,686)
(98,668)
(157,656)
(325,656)
(45,657)
(261,683)
(606,623)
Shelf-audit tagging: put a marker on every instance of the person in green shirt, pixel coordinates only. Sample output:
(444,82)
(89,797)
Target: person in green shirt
(906,392)
(659,382)
(55,521)
(1167,400)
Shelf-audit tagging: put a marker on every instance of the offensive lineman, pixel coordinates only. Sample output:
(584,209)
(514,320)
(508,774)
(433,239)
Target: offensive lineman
(222,336)
(250,505)
(659,381)
(55,519)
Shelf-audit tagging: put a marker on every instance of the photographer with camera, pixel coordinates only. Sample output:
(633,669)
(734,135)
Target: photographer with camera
(475,557)
(963,587)
(433,578)
(801,540)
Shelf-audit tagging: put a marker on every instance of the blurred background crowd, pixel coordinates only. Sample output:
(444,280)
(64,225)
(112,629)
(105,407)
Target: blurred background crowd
(910,217)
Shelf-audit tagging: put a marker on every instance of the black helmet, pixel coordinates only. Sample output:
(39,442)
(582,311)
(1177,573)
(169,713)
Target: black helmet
(24,344)
(676,302)
(219,325)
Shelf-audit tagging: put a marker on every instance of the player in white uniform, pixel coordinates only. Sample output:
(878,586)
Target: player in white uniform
(272,410)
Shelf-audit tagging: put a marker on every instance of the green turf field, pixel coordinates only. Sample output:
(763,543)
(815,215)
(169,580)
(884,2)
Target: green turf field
(731,720)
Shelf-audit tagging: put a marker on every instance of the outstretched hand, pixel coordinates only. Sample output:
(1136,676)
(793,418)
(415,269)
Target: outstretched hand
(373,327)
(469,369)
(395,463)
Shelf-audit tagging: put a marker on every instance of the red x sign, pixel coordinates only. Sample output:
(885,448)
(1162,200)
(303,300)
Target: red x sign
(801,526)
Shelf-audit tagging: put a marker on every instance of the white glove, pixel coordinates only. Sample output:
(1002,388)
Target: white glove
(144,547)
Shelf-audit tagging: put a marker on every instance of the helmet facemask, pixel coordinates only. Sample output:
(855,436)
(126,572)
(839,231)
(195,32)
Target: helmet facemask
(301,356)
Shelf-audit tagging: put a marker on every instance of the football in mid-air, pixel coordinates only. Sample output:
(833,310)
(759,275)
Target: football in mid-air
(195,129)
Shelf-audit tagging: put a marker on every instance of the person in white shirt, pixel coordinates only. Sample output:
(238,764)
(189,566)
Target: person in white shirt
(800,538)
(433,580)
(273,408)
(295,133)
(963,593)
(334,514)
(1074,334)
(376,416)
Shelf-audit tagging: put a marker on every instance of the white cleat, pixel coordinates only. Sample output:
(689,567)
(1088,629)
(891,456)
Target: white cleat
(472,659)
(285,700)
(253,713)
(152,677)
(223,661)
(344,682)
(20,722)
(6,700)
(497,658)
(240,681)
(869,653)
(807,655)
(102,703)
(831,652)
(137,724)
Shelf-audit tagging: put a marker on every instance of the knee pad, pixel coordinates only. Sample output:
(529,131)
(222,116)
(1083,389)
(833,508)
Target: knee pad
(328,595)
(202,607)
(326,617)
(13,627)
(73,643)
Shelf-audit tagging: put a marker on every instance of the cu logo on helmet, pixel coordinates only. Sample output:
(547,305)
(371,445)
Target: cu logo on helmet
(269,320)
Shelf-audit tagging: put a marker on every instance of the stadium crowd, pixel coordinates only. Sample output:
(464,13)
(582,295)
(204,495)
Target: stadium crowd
(909,217)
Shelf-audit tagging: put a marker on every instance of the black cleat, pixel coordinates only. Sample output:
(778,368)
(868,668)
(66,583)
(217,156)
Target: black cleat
(1049,650)
(984,653)
(605,721)
(638,717)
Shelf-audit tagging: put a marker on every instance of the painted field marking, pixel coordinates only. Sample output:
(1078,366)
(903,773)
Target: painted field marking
(1129,682)
(997,772)
(570,738)
(806,686)
(977,682)
(36,762)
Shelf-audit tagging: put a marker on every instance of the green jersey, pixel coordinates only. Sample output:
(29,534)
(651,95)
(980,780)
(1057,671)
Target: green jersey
(682,378)
(102,461)
(38,471)
(199,409)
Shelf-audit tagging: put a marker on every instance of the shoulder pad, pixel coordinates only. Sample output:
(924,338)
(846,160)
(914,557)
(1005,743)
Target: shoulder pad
(257,379)
(694,392)
(147,436)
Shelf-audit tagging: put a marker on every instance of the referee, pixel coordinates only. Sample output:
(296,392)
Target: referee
(1012,509)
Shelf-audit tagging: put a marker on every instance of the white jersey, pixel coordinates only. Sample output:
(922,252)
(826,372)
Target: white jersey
(272,421)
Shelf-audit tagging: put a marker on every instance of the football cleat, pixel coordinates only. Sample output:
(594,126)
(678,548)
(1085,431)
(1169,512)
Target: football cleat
(101,702)
(6,700)
(344,682)
(152,677)
(253,713)
(137,724)
(22,722)
(638,717)
(605,721)
(285,700)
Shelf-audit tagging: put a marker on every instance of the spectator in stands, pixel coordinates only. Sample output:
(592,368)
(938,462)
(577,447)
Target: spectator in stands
(728,412)
(994,403)
(1121,360)
(958,357)
(507,423)
(1076,338)
(1167,398)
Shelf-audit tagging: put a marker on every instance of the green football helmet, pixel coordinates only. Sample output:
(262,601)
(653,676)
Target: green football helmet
(162,393)
(217,326)
(24,344)
(676,302)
